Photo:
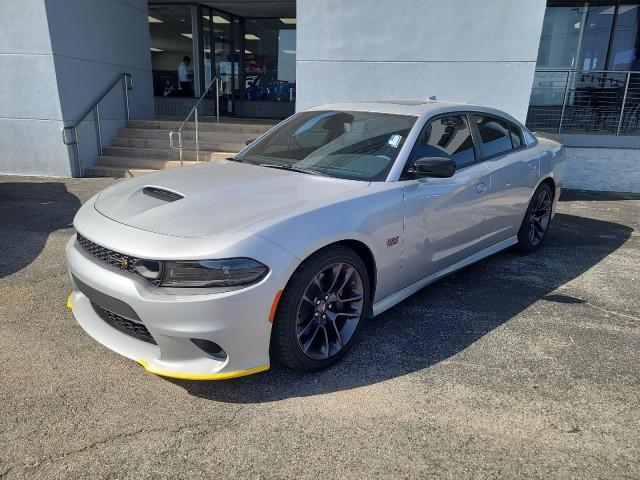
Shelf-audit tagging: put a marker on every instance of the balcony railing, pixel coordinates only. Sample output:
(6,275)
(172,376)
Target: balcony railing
(585,101)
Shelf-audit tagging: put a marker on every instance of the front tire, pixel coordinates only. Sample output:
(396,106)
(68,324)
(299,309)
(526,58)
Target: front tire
(536,221)
(321,311)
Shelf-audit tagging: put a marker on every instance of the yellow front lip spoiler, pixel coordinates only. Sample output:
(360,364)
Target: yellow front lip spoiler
(192,376)
(203,376)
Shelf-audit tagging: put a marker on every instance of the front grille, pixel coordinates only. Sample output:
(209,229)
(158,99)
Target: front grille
(131,328)
(115,259)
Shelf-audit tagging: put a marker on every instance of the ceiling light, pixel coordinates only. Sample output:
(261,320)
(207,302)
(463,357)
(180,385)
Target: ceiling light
(217,19)
(288,21)
(153,19)
(250,36)
(626,8)
(188,35)
(290,52)
(154,49)
(621,10)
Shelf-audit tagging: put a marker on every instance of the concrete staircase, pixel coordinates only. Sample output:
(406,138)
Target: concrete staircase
(143,145)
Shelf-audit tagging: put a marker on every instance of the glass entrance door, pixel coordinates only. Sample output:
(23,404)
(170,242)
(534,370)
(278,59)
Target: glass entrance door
(221,57)
(268,67)
(255,59)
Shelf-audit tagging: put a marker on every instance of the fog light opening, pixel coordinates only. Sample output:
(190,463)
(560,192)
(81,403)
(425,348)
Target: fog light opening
(210,348)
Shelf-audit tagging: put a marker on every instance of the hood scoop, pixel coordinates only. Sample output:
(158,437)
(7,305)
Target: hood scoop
(162,194)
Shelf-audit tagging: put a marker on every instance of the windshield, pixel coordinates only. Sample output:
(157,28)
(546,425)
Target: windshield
(352,145)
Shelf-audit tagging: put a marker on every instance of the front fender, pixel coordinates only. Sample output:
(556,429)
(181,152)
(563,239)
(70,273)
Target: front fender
(375,219)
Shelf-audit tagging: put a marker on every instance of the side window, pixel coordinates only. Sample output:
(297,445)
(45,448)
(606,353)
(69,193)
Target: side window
(516,136)
(448,137)
(494,135)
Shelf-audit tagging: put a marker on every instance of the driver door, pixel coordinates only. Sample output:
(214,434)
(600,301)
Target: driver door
(444,218)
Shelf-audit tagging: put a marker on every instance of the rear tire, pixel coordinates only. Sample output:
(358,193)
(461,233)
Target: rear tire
(321,311)
(536,221)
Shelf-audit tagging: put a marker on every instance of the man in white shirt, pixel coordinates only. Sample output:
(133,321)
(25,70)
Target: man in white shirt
(185,86)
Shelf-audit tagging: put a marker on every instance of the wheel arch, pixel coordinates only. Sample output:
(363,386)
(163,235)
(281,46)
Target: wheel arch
(365,253)
(362,250)
(549,181)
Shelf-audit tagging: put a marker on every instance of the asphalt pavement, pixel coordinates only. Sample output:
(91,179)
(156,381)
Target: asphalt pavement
(516,367)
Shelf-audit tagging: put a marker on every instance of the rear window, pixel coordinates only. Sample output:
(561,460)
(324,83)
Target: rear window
(516,136)
(495,135)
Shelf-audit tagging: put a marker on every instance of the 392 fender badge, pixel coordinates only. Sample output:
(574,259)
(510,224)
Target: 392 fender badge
(393,241)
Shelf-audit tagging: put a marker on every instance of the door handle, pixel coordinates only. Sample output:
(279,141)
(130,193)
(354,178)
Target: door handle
(533,165)
(481,187)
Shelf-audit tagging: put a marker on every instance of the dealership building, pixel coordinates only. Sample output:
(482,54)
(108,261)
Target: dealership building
(75,70)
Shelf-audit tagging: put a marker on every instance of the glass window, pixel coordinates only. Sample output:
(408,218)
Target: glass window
(270,59)
(576,37)
(220,56)
(529,138)
(516,136)
(448,137)
(626,39)
(353,145)
(172,50)
(494,135)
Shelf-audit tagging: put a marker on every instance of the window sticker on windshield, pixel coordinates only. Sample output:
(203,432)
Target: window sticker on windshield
(394,140)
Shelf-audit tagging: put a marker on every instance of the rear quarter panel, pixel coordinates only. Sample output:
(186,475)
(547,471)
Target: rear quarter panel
(552,164)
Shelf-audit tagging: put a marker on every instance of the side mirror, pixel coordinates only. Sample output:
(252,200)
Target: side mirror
(250,141)
(436,167)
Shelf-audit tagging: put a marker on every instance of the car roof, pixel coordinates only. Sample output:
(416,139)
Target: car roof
(416,108)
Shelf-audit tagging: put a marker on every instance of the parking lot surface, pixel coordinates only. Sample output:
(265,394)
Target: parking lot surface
(518,366)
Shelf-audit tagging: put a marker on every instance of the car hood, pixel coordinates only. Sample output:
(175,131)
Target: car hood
(218,198)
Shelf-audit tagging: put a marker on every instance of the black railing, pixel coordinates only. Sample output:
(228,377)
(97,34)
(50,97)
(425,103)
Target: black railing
(585,101)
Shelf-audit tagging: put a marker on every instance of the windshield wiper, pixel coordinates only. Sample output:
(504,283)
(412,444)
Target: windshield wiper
(235,159)
(291,168)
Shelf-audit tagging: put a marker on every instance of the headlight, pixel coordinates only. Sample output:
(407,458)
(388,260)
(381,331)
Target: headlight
(231,272)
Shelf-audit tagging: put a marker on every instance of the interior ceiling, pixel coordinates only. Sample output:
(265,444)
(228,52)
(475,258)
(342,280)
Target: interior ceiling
(168,36)
(245,8)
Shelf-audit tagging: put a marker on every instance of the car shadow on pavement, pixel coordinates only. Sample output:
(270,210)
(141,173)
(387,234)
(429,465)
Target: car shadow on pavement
(29,213)
(443,319)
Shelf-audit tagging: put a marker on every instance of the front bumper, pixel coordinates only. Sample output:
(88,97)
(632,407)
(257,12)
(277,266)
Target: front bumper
(238,320)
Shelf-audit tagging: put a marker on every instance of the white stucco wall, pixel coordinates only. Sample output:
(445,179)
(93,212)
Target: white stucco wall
(603,169)
(30,114)
(93,42)
(56,57)
(461,50)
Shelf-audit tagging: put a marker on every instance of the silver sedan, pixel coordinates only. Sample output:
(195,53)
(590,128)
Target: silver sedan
(334,215)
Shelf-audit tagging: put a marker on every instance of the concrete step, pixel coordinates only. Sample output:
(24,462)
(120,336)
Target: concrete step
(142,163)
(116,172)
(188,144)
(162,154)
(202,126)
(213,137)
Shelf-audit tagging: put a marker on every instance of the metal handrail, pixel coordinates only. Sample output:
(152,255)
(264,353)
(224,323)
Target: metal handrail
(194,111)
(127,80)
